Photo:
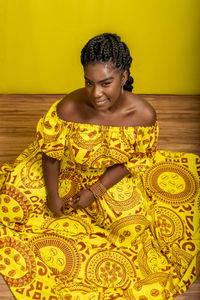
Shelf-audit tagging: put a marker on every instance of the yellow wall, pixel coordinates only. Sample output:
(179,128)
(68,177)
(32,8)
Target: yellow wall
(41,40)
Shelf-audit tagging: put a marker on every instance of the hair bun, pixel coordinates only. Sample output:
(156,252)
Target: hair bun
(129,84)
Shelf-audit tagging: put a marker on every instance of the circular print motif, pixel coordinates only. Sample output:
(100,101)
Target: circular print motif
(169,223)
(171,183)
(59,254)
(31,174)
(109,269)
(123,196)
(90,140)
(15,206)
(105,157)
(18,264)
(73,224)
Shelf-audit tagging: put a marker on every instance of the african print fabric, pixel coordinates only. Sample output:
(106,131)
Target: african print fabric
(140,241)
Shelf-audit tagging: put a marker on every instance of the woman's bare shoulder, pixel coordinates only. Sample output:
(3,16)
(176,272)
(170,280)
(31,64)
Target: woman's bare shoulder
(68,106)
(144,112)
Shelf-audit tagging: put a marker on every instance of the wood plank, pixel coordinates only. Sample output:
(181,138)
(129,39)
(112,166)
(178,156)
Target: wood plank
(5,293)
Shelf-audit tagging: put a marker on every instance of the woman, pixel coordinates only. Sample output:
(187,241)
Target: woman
(105,100)
(117,234)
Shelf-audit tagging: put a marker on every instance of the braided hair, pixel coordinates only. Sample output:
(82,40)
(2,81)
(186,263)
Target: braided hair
(108,47)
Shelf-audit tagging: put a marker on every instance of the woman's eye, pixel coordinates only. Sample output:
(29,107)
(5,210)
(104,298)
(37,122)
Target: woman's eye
(106,83)
(87,83)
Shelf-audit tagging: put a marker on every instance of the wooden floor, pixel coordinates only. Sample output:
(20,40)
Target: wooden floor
(179,121)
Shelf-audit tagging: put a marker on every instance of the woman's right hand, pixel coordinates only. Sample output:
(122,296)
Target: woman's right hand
(56,205)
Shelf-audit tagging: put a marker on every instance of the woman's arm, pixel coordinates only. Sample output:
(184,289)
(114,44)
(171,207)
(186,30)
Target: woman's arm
(112,175)
(51,169)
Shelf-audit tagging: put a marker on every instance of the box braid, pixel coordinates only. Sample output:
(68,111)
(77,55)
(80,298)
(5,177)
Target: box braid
(108,47)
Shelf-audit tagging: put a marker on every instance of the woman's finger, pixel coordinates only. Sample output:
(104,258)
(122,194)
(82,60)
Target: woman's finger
(74,204)
(58,214)
(73,200)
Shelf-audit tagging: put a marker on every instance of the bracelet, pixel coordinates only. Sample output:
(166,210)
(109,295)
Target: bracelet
(98,189)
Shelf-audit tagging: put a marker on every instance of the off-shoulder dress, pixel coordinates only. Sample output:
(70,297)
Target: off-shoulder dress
(139,241)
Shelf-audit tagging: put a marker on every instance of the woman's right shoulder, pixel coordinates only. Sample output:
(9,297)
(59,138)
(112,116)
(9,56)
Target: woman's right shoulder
(67,107)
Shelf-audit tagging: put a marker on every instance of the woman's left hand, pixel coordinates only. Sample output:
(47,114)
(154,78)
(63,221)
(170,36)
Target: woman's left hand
(82,199)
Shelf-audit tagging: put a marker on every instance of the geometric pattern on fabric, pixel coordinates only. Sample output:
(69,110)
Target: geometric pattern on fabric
(171,183)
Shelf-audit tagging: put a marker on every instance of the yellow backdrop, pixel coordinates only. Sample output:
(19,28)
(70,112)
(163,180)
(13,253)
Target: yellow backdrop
(41,40)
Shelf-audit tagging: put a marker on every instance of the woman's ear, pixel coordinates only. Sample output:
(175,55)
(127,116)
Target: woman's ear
(124,77)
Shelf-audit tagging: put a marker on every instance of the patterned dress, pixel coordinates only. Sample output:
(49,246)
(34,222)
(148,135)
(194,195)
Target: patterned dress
(140,241)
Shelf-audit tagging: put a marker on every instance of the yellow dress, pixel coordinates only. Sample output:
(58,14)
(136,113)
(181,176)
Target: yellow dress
(140,241)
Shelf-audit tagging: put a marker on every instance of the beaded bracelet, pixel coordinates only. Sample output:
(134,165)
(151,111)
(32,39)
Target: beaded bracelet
(98,189)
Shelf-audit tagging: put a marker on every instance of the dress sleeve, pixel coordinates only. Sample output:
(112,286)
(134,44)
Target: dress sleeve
(51,133)
(143,149)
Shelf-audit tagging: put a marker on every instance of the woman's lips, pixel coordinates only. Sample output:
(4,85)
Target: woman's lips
(100,102)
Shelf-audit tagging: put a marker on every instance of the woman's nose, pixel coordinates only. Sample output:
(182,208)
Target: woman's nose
(97,91)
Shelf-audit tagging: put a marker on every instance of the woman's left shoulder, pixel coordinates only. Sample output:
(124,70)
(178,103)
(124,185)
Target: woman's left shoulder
(144,113)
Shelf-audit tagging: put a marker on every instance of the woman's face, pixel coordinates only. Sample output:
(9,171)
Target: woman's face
(104,85)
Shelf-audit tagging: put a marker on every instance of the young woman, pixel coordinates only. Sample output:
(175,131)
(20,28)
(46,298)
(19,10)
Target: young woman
(105,101)
(90,210)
